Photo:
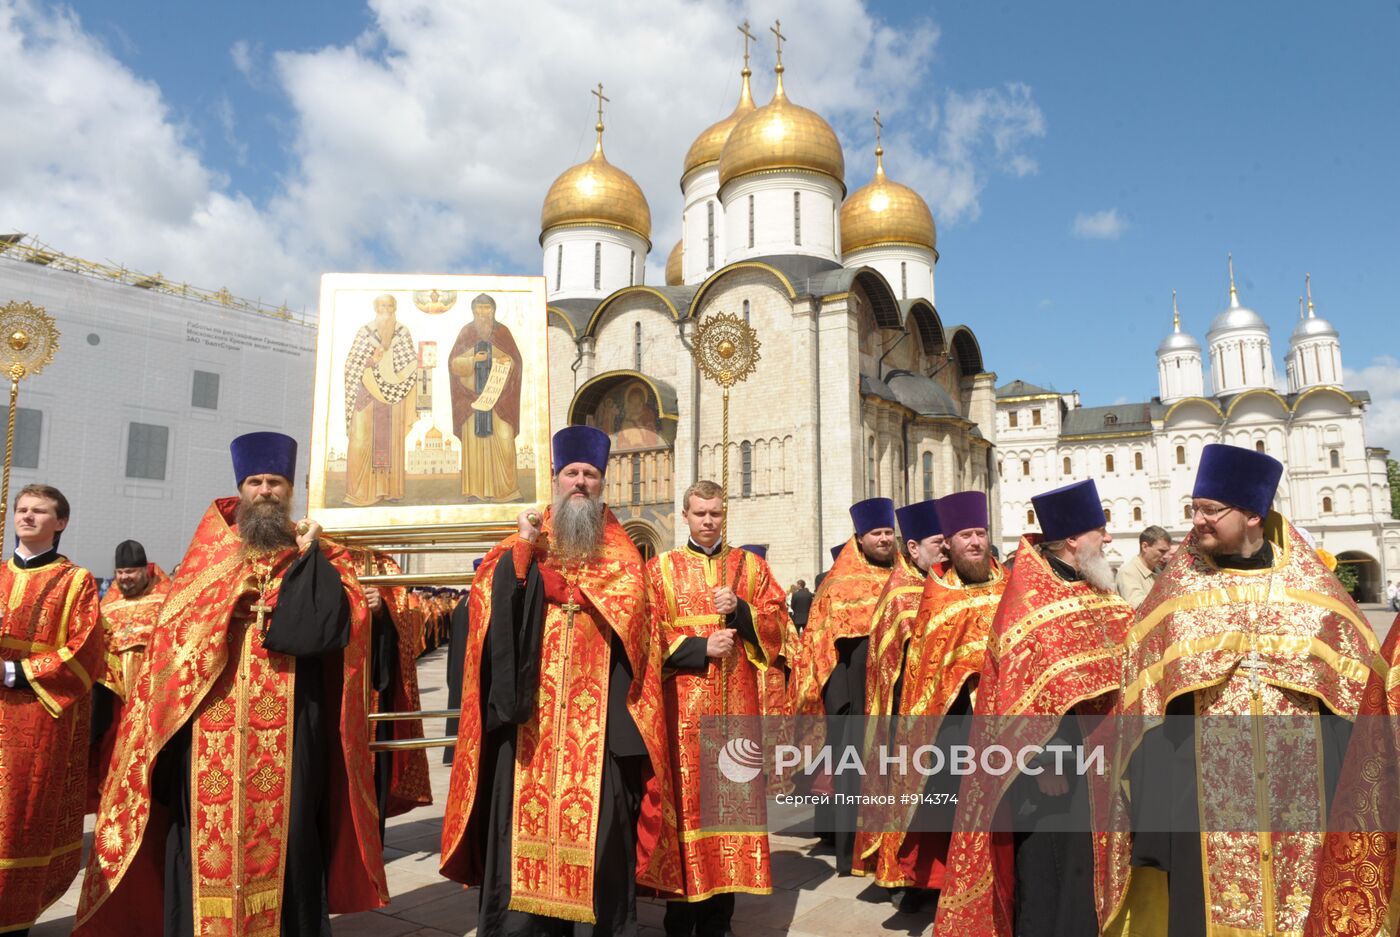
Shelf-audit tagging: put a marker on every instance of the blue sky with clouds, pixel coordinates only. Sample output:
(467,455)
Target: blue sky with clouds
(1082,160)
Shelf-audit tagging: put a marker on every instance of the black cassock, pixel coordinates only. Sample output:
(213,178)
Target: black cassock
(311,622)
(456,654)
(383,672)
(510,669)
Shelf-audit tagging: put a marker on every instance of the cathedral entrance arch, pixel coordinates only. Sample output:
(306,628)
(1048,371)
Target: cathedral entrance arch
(639,415)
(1368,575)
(644,538)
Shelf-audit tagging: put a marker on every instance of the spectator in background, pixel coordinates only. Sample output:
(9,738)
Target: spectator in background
(1392,596)
(1135,577)
(800,603)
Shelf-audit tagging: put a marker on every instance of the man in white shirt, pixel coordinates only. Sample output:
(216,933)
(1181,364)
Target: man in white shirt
(1135,577)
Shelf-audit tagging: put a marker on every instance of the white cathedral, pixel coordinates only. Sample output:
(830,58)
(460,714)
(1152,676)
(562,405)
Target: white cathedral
(1143,455)
(861,390)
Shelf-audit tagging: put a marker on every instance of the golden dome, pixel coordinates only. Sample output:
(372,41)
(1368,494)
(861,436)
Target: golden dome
(885,212)
(708,146)
(782,135)
(673,266)
(596,192)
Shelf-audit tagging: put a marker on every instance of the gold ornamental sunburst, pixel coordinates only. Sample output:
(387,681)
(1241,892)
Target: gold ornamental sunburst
(726,348)
(28,340)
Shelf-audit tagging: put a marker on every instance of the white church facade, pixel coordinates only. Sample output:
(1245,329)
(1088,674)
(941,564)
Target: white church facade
(862,389)
(1143,455)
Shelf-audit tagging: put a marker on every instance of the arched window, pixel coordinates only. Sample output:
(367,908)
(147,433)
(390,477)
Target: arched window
(928,475)
(558,266)
(746,469)
(1067,470)
(632,269)
(797,218)
(1035,417)
(1259,445)
(750,221)
(1335,457)
(746,312)
(1326,505)
(636,346)
(1180,455)
(1137,514)
(870,469)
(636,479)
(1137,461)
(597,265)
(710,233)
(1110,419)
(1108,515)
(1030,515)
(1011,419)
(1026,468)
(1108,463)
(1186,512)
(903,280)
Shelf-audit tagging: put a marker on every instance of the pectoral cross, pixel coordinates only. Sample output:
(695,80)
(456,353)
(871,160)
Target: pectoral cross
(571,607)
(262,609)
(1254,664)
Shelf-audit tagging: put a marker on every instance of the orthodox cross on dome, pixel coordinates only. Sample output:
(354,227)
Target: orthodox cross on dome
(1307,280)
(777,30)
(1176,314)
(879,146)
(598,93)
(748,38)
(1234,296)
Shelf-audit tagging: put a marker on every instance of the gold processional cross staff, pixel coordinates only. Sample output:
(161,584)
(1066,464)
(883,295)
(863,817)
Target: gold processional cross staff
(30,339)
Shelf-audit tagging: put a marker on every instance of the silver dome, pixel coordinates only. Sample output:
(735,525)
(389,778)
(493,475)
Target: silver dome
(1236,317)
(1313,328)
(1178,341)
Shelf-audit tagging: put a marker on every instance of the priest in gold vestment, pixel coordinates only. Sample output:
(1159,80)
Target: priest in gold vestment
(381,377)
(485,368)
(1246,621)
(720,620)
(51,651)
(241,796)
(560,805)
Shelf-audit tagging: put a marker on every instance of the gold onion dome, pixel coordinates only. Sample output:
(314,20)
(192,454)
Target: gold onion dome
(595,192)
(673,266)
(781,135)
(706,149)
(885,212)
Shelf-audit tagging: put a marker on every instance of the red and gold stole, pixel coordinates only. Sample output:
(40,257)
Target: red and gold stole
(1054,646)
(560,749)
(206,666)
(842,608)
(945,635)
(128,630)
(50,630)
(680,599)
(1276,641)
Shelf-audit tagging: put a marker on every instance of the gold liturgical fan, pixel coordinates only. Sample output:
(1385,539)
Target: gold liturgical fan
(28,339)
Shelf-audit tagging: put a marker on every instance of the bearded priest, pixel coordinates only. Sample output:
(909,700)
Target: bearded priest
(51,649)
(241,795)
(721,620)
(1245,621)
(560,804)
(1053,661)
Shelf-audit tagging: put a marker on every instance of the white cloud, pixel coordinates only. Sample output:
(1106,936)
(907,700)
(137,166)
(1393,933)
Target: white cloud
(429,141)
(1104,225)
(1382,378)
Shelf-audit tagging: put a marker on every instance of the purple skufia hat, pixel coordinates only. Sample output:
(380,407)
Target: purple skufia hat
(1070,510)
(836,551)
(872,514)
(586,444)
(756,549)
(1241,478)
(476,563)
(264,454)
(964,510)
(919,520)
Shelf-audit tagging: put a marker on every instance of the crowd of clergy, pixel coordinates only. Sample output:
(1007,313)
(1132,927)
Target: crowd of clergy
(219,721)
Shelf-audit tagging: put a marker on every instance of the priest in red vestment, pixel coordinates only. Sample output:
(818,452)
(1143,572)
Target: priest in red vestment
(241,795)
(51,648)
(1022,859)
(560,805)
(396,638)
(720,619)
(129,612)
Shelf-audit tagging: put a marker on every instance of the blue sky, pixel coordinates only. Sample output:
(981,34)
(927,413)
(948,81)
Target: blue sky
(1184,130)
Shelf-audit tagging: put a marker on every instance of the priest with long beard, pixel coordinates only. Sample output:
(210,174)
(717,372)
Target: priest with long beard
(1246,621)
(560,804)
(241,795)
(1022,859)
